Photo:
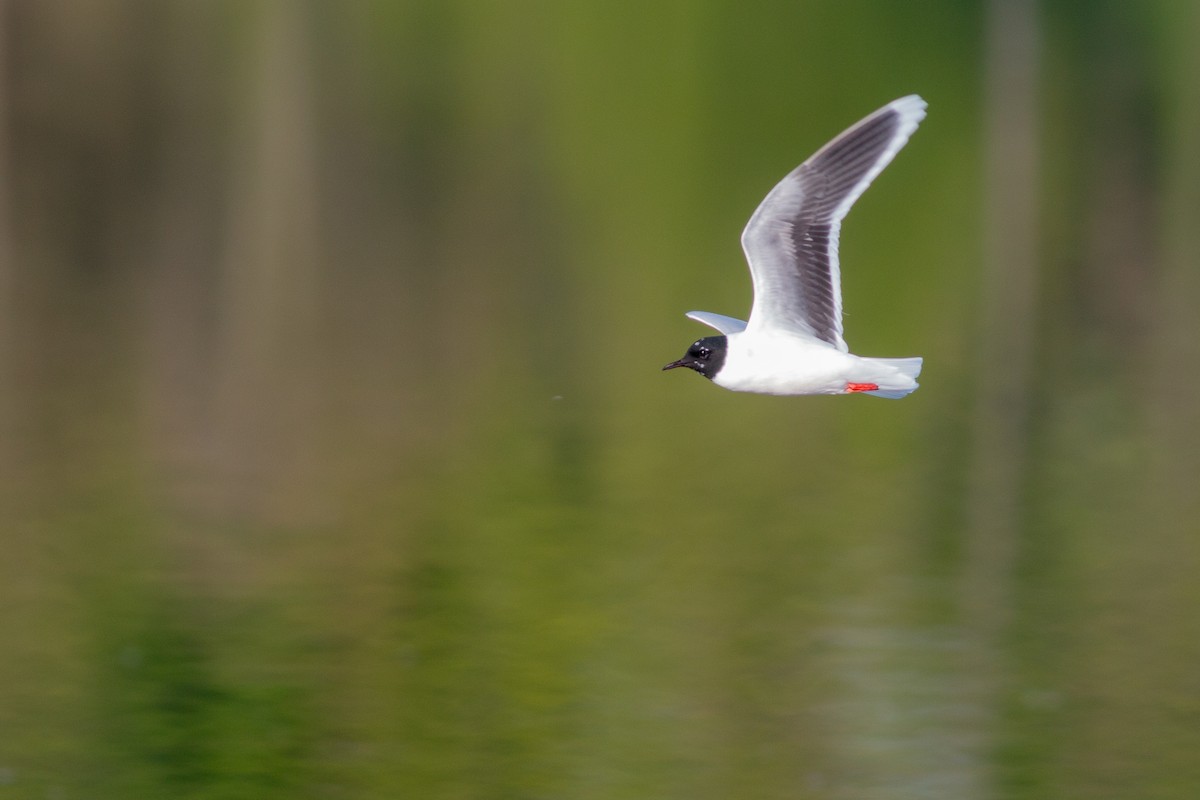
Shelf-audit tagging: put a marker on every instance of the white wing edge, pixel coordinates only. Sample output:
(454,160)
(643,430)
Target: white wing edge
(722,323)
(911,110)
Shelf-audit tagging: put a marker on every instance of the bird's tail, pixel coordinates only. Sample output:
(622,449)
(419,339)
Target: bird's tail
(893,377)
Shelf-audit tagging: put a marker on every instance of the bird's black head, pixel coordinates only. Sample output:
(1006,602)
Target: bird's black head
(706,356)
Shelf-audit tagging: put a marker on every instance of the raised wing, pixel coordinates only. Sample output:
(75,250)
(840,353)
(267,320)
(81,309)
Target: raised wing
(791,241)
(722,323)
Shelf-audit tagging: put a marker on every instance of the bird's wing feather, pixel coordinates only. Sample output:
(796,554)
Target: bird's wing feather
(791,241)
(722,323)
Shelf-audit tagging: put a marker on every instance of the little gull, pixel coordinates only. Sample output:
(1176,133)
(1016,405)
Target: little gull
(793,342)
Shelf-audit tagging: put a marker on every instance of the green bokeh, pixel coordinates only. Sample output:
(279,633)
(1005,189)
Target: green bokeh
(336,461)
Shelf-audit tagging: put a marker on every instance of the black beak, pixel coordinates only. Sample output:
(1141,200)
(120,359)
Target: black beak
(674,364)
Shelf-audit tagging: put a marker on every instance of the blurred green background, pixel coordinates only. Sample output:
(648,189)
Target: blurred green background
(336,461)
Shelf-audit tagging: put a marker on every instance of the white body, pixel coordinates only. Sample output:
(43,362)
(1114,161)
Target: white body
(779,362)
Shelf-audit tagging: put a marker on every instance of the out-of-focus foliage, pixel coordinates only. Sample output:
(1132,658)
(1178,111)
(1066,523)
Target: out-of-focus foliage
(335,459)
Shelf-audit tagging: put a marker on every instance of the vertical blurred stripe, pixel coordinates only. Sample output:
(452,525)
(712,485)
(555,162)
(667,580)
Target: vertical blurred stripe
(1007,319)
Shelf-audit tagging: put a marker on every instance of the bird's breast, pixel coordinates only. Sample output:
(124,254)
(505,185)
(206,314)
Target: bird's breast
(783,364)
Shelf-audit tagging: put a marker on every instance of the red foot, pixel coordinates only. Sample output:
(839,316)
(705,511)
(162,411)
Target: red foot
(861,387)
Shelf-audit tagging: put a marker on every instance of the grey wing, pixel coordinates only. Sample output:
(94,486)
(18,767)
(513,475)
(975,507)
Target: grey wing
(722,323)
(791,241)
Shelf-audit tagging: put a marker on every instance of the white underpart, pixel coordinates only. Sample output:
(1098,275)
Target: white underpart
(783,363)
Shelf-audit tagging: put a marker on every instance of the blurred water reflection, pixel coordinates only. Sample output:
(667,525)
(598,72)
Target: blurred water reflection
(336,460)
